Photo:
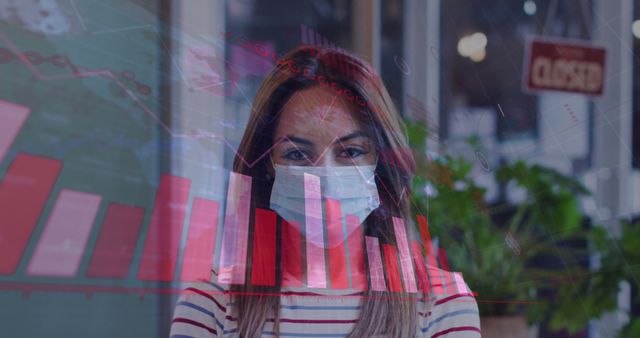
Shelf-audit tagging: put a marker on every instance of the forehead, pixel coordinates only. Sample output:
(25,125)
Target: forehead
(318,110)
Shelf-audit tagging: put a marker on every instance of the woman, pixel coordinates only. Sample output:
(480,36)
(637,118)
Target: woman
(322,117)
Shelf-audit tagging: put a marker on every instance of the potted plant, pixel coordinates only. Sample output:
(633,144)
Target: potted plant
(619,261)
(504,253)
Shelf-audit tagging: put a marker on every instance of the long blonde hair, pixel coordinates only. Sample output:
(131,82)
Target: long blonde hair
(391,314)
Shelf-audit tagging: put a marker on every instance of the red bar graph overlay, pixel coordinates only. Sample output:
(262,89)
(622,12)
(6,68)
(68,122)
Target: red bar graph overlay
(197,259)
(161,246)
(291,254)
(449,283)
(336,246)
(263,269)
(460,284)
(391,265)
(421,267)
(23,193)
(235,233)
(432,264)
(116,244)
(376,271)
(355,245)
(408,275)
(12,117)
(62,243)
(314,233)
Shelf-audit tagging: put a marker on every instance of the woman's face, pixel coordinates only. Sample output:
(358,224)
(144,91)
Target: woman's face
(317,128)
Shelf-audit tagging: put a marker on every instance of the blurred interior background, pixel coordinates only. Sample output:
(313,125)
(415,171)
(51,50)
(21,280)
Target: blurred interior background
(107,108)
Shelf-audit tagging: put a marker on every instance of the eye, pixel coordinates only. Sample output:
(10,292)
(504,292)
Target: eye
(352,152)
(295,155)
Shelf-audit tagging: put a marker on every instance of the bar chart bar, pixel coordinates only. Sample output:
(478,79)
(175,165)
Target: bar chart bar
(432,265)
(336,246)
(391,265)
(62,243)
(436,277)
(235,233)
(448,281)
(314,233)
(12,118)
(291,254)
(421,267)
(376,271)
(197,260)
(355,245)
(116,244)
(408,275)
(160,253)
(263,267)
(460,284)
(23,194)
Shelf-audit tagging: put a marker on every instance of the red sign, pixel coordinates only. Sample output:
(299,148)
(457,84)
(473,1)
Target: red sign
(566,66)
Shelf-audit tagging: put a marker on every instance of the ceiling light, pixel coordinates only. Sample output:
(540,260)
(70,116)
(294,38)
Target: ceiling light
(635,28)
(473,44)
(530,7)
(478,55)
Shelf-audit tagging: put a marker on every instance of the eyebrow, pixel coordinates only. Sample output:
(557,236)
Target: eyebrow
(353,135)
(296,139)
(304,141)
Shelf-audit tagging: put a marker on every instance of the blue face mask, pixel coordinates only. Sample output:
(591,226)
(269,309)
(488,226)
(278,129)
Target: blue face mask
(353,187)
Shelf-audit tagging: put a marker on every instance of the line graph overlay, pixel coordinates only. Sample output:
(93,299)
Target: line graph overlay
(111,76)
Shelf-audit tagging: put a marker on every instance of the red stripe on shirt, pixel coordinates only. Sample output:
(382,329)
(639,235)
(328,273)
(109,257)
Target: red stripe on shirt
(294,293)
(304,321)
(444,300)
(194,323)
(456,329)
(206,295)
(319,321)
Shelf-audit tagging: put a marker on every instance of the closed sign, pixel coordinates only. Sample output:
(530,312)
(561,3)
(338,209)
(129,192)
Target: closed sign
(566,66)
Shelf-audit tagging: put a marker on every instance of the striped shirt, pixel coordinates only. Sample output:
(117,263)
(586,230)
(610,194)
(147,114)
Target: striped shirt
(205,309)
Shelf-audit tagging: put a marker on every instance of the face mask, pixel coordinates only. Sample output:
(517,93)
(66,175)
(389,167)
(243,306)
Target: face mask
(353,187)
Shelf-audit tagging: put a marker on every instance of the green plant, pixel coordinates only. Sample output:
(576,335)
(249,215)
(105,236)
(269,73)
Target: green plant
(524,252)
(620,261)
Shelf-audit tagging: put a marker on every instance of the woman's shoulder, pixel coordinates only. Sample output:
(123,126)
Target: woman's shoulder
(201,309)
(453,310)
(208,288)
